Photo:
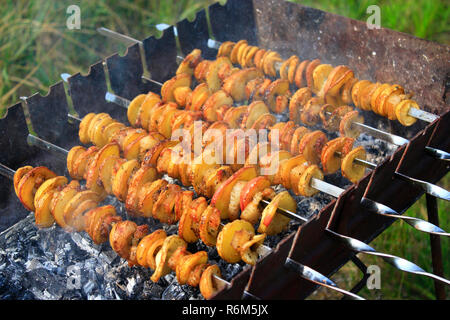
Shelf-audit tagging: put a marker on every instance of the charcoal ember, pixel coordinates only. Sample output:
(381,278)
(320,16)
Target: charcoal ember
(152,291)
(45,284)
(175,291)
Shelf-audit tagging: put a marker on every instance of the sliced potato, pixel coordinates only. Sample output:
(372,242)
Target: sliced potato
(221,198)
(61,200)
(235,84)
(180,80)
(29,184)
(143,175)
(120,181)
(232,237)
(170,245)
(83,130)
(212,78)
(273,222)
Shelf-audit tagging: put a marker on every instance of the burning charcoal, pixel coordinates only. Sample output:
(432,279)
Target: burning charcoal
(152,290)
(174,292)
(88,287)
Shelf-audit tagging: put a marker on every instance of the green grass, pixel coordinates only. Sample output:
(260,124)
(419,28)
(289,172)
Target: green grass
(36,47)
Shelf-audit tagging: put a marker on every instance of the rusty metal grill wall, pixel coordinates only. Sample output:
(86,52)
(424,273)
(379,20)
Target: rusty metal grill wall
(380,55)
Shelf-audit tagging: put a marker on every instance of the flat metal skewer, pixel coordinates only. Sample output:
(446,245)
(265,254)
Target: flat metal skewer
(399,263)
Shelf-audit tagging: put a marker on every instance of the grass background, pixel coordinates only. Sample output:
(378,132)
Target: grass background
(36,47)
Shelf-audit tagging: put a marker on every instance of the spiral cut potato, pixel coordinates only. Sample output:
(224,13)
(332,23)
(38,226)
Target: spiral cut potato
(76,209)
(335,85)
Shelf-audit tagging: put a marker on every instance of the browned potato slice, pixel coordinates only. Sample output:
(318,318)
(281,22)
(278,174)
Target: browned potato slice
(320,76)
(277,94)
(93,171)
(297,102)
(346,128)
(170,245)
(234,116)
(73,154)
(164,207)
(60,201)
(299,78)
(351,170)
(232,237)
(42,215)
(151,99)
(221,197)
(18,175)
(98,138)
(255,110)
(375,99)
(271,162)
(234,52)
(112,130)
(105,173)
(331,162)
(165,122)
(29,184)
(311,112)
(187,265)
(68,212)
(207,284)
(123,239)
(273,222)
(143,175)
(357,89)
(214,102)
(80,163)
(120,181)
(336,79)
(78,218)
(84,126)
(199,96)
(133,109)
(145,254)
(148,194)
(401,112)
(366,95)
(49,185)
(235,84)
(212,78)
(311,146)
(209,226)
(98,222)
(286,167)
(248,252)
(180,80)
(190,62)
(93,123)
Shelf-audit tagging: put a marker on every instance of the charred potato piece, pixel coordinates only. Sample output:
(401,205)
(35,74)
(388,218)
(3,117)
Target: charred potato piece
(336,79)
(287,166)
(148,194)
(43,198)
(151,99)
(357,90)
(200,94)
(225,49)
(81,162)
(124,237)
(164,207)
(300,72)
(297,136)
(311,112)
(18,175)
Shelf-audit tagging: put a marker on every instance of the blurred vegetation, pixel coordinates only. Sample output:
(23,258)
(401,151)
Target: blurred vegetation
(36,47)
